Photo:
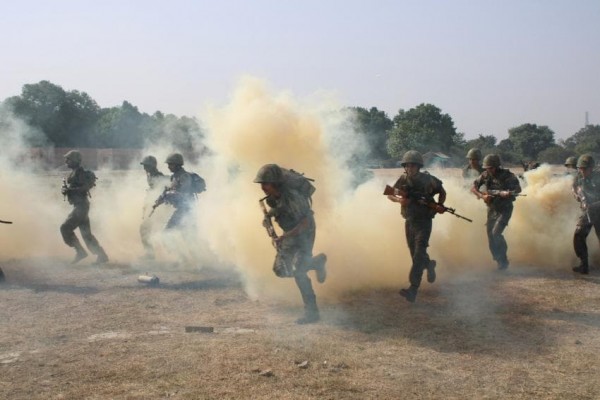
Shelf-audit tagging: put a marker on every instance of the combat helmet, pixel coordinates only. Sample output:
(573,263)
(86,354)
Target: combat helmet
(412,157)
(586,161)
(474,154)
(174,158)
(269,173)
(571,161)
(73,155)
(491,161)
(149,161)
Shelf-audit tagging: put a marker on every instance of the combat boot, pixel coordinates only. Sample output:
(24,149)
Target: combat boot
(582,269)
(310,317)
(503,265)
(431,271)
(102,257)
(80,255)
(409,294)
(319,264)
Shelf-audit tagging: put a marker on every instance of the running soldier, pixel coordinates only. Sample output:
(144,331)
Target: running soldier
(292,211)
(501,187)
(76,187)
(180,193)
(474,168)
(416,190)
(586,187)
(571,165)
(155,179)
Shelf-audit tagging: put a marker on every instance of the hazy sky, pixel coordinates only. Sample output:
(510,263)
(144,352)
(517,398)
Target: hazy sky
(491,65)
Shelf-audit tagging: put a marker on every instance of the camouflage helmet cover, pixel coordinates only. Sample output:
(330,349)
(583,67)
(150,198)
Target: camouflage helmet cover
(174,158)
(149,160)
(73,155)
(571,161)
(586,161)
(474,154)
(412,157)
(269,173)
(491,160)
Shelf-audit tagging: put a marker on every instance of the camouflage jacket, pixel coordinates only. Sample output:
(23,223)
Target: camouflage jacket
(179,192)
(289,209)
(422,184)
(503,180)
(78,185)
(590,187)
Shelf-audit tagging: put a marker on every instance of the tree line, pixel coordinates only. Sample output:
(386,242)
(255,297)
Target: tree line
(74,119)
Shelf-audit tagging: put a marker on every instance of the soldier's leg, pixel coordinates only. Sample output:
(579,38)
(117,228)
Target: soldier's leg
(145,234)
(422,233)
(501,247)
(90,240)
(489,228)
(582,230)
(67,230)
(176,219)
(311,311)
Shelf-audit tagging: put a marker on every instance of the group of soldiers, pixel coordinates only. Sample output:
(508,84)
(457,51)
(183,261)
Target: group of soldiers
(498,187)
(178,192)
(291,207)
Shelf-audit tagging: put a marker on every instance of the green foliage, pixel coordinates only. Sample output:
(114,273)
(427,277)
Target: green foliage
(373,125)
(484,143)
(554,155)
(586,140)
(528,140)
(423,128)
(74,119)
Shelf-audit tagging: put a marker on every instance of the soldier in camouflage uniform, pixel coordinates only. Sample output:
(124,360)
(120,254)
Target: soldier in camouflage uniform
(292,211)
(500,204)
(155,179)
(77,188)
(416,190)
(571,165)
(586,187)
(474,168)
(179,193)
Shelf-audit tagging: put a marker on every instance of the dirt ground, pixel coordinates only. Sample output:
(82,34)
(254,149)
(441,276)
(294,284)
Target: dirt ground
(89,332)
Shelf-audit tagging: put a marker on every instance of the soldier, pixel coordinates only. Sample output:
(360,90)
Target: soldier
(474,168)
(179,193)
(501,188)
(76,188)
(571,165)
(587,191)
(155,178)
(292,211)
(416,190)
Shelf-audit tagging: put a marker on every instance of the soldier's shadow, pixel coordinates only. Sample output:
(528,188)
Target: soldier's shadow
(463,317)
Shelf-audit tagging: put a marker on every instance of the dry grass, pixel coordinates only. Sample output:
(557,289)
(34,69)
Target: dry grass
(85,332)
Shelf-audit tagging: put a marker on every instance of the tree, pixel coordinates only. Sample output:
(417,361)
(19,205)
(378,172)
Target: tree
(529,139)
(373,125)
(423,128)
(554,155)
(483,143)
(66,118)
(586,140)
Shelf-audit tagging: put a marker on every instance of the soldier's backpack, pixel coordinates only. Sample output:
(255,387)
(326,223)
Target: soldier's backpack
(198,183)
(298,182)
(89,178)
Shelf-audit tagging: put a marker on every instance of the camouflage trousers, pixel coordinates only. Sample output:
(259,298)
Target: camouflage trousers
(497,221)
(181,218)
(79,218)
(582,230)
(294,258)
(418,233)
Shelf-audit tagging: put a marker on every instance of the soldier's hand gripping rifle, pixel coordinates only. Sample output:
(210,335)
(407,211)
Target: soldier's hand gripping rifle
(268,224)
(64,189)
(592,210)
(161,199)
(422,199)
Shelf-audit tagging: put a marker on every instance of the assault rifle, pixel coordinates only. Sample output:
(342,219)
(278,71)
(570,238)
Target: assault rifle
(496,193)
(161,199)
(64,189)
(422,199)
(5,222)
(280,268)
(268,224)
